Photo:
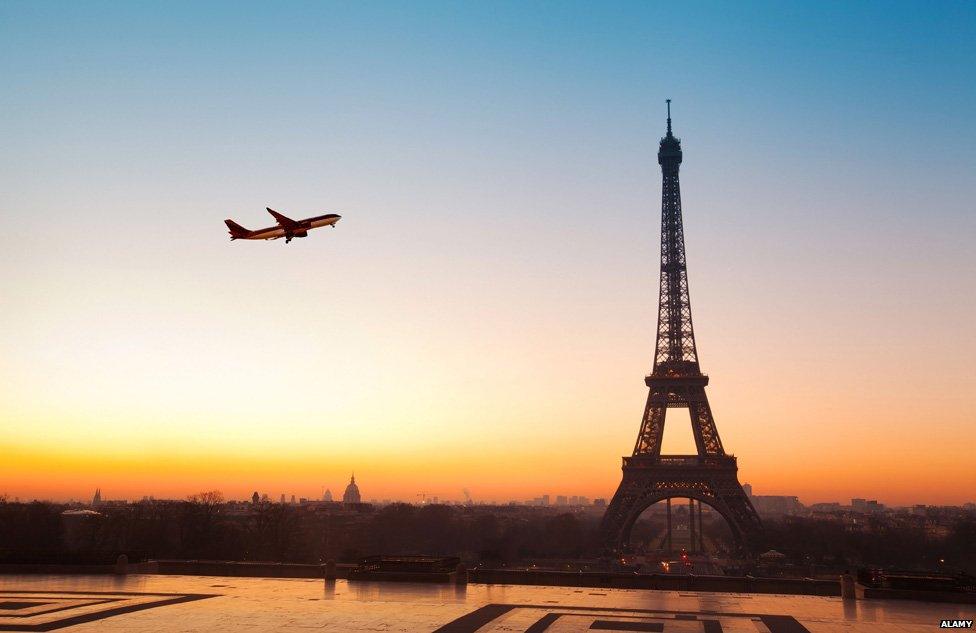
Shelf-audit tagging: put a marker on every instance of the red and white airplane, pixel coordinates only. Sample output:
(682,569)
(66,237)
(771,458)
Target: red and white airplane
(286,228)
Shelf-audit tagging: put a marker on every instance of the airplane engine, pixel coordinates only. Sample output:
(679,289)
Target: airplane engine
(301,234)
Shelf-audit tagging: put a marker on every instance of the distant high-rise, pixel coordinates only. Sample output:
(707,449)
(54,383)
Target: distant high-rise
(255,498)
(351,495)
(327,496)
(97,499)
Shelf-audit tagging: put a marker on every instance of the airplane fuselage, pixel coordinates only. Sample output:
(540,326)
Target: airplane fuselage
(285,228)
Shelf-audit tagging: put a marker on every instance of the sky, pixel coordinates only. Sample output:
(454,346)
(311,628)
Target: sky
(484,314)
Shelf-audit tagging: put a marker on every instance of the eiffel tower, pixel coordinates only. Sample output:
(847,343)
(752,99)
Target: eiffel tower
(676,381)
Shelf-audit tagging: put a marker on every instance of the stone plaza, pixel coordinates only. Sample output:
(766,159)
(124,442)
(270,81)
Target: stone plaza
(163,603)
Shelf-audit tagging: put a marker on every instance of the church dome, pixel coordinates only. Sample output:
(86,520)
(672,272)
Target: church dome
(351,495)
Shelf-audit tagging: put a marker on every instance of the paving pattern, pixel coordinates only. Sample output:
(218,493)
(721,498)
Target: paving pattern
(39,610)
(511,617)
(163,604)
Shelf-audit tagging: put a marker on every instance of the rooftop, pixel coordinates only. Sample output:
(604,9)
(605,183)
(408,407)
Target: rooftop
(158,604)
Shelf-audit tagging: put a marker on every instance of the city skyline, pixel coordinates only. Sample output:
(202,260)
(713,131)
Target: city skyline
(547,499)
(484,315)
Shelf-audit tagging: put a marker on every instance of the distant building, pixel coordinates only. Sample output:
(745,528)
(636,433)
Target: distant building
(351,495)
(327,495)
(282,497)
(829,506)
(866,505)
(772,562)
(561,500)
(776,504)
(98,501)
(773,504)
(545,500)
(600,502)
(255,498)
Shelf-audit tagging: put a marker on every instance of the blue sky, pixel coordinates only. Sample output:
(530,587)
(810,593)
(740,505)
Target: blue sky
(495,166)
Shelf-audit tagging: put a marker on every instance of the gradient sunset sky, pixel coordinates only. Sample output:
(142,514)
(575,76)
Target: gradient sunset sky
(483,315)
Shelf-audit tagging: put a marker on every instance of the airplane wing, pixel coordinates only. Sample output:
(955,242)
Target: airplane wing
(284,222)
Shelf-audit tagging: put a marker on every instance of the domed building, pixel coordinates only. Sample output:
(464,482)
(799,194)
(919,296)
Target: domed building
(351,495)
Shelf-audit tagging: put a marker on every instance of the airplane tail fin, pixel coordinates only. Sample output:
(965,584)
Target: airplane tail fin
(236,230)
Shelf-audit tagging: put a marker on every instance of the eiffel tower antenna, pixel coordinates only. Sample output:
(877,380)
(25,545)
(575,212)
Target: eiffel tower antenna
(676,381)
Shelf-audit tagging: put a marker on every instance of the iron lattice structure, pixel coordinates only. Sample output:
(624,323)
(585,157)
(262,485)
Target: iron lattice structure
(676,381)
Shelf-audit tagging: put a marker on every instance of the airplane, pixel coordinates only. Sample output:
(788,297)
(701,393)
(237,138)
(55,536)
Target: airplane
(287,228)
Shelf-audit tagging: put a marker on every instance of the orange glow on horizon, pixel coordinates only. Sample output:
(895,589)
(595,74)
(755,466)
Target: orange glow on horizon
(491,476)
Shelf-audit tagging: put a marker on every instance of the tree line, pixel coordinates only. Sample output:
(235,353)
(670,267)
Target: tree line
(204,527)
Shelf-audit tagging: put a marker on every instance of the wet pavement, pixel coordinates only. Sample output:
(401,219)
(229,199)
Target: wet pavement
(159,604)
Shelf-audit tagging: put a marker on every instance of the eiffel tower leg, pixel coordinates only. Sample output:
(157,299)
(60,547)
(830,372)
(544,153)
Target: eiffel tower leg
(614,529)
(701,532)
(739,512)
(703,424)
(669,525)
(652,425)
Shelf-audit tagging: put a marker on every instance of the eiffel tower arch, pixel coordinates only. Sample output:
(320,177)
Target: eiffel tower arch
(676,381)
(710,481)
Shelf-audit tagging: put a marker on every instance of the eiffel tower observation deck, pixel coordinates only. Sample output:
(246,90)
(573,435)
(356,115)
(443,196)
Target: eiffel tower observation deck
(676,381)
